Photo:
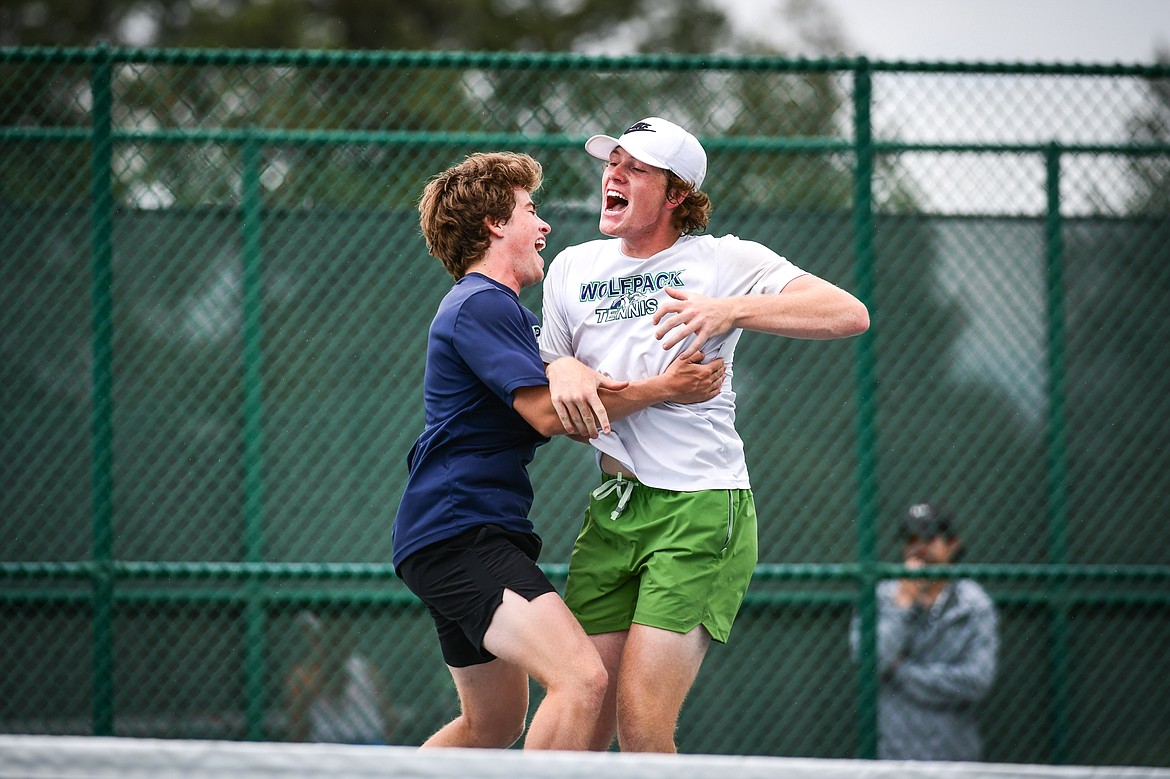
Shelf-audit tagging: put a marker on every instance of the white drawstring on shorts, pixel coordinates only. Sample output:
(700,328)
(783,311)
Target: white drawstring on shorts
(623,487)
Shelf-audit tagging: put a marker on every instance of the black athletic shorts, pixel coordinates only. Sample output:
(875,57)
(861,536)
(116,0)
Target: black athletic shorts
(462,580)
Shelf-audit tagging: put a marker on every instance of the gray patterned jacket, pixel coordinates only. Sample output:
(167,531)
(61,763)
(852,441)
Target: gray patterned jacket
(936,664)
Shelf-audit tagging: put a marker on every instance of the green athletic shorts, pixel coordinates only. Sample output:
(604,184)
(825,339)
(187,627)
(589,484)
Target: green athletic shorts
(670,560)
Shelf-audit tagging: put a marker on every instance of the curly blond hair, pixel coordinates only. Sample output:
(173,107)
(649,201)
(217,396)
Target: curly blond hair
(695,211)
(457,205)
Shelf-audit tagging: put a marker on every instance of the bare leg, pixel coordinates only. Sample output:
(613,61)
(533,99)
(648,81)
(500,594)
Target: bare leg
(658,668)
(543,638)
(493,700)
(610,647)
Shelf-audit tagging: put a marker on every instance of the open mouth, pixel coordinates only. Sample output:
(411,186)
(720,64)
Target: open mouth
(615,202)
(540,244)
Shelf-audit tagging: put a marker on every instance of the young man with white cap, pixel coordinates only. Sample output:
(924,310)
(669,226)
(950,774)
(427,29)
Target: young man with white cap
(668,543)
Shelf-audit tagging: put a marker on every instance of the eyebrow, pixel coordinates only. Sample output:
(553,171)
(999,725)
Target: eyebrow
(619,154)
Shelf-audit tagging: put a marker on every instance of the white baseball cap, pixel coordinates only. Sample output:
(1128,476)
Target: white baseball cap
(660,143)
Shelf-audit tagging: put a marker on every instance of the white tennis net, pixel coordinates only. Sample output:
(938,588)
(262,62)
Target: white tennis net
(78,757)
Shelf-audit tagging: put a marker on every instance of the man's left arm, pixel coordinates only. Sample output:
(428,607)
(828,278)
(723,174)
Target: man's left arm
(808,307)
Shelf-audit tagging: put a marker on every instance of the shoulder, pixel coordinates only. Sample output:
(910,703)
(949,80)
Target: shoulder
(574,262)
(476,294)
(590,247)
(973,596)
(704,244)
(481,308)
(733,253)
(733,246)
(585,252)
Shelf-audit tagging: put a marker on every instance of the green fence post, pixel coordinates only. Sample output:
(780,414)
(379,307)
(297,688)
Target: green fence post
(867,680)
(101,426)
(253,409)
(1057,471)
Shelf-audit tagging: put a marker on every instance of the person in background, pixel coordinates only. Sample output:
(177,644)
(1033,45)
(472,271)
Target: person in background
(938,645)
(336,694)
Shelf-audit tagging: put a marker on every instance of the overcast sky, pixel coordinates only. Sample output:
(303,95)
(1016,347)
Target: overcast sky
(1065,31)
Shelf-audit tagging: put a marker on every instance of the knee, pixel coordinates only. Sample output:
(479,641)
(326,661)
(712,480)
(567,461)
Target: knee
(590,682)
(584,679)
(595,680)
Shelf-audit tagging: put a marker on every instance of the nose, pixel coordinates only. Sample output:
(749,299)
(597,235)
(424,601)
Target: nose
(545,227)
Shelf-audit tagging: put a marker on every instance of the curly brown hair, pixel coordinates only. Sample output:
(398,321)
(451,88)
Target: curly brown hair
(695,211)
(458,203)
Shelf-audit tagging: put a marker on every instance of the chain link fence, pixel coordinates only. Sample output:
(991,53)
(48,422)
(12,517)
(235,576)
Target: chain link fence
(212,325)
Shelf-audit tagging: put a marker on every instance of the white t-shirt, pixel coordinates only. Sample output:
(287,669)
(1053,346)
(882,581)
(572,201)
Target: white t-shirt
(599,306)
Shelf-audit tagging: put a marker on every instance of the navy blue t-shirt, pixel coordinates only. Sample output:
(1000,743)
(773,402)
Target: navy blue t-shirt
(469,466)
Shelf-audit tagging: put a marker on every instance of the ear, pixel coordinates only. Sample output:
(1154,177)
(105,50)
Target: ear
(495,227)
(675,197)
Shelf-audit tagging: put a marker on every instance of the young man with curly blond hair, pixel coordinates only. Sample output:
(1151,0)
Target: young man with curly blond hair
(463,541)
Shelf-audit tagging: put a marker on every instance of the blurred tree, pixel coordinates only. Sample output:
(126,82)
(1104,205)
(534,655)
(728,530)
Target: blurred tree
(1151,175)
(687,26)
(60,22)
(430,100)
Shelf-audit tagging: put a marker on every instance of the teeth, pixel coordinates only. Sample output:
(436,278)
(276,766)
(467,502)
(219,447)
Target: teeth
(618,195)
(540,242)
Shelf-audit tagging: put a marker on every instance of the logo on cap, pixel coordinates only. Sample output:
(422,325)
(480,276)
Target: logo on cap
(639,127)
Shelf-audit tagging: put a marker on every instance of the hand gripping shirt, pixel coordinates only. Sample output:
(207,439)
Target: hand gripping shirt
(599,306)
(470,465)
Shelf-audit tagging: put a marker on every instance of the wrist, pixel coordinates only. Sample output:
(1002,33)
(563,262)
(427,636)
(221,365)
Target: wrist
(634,397)
(652,390)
